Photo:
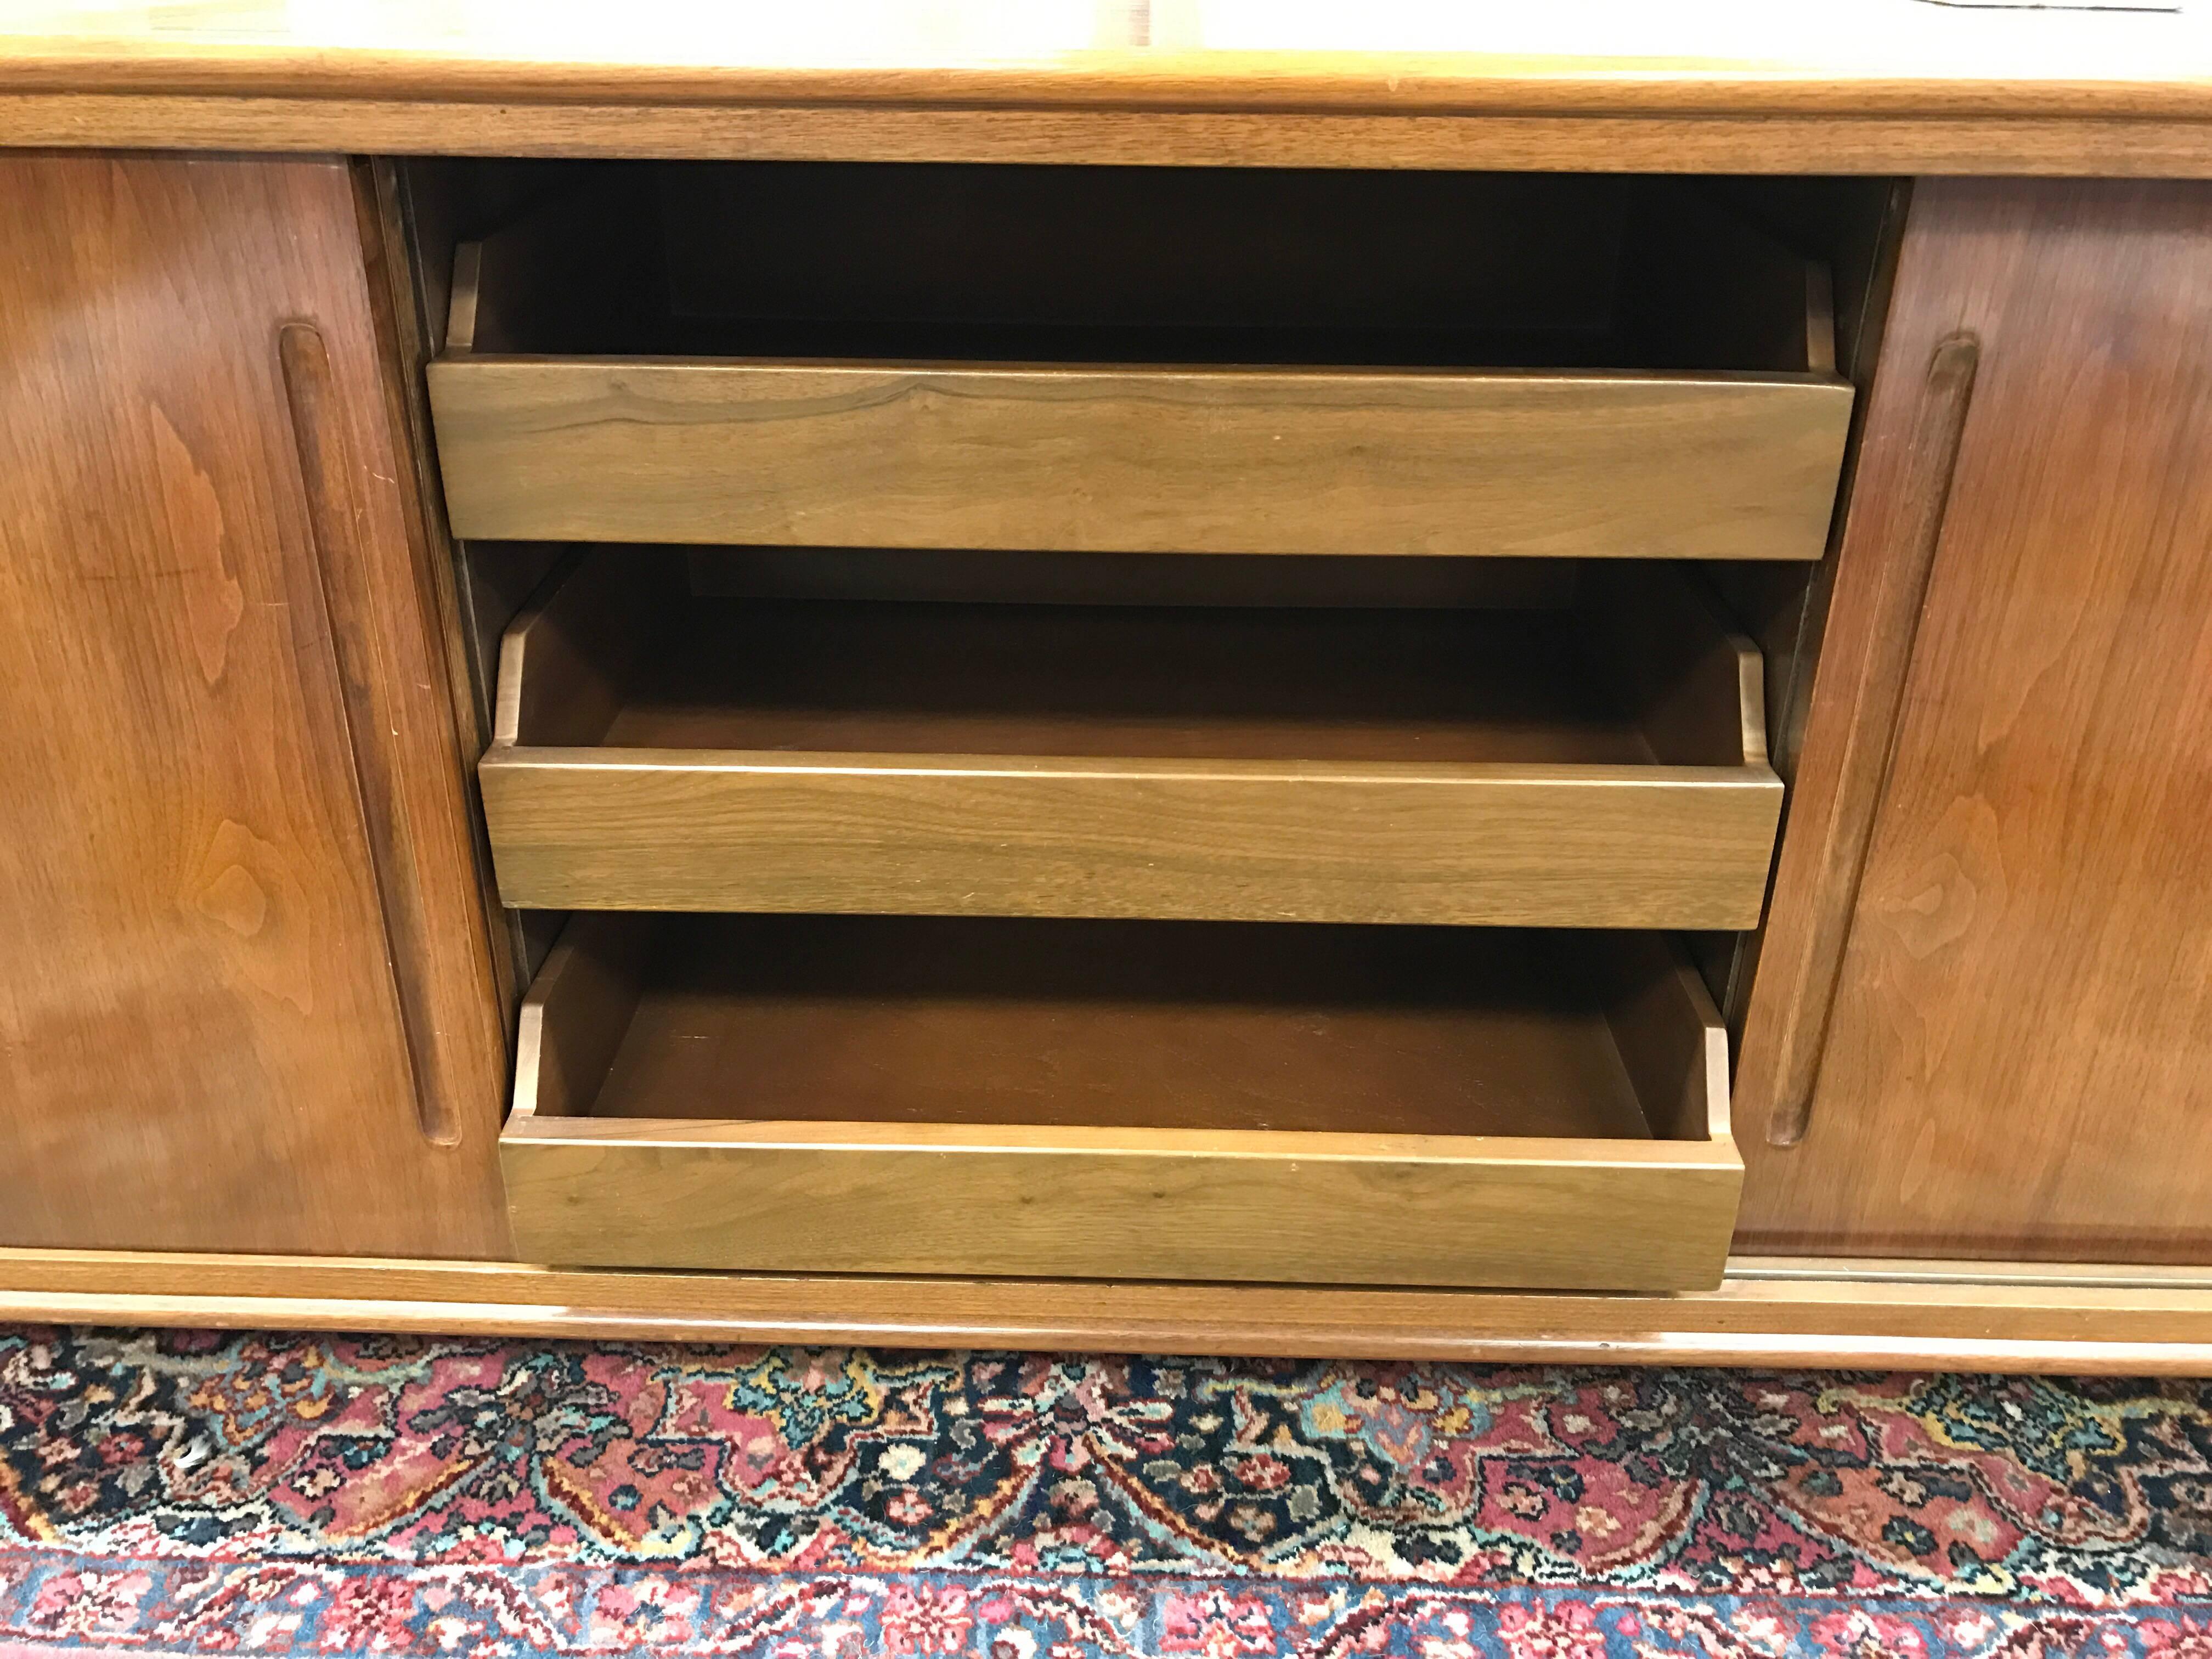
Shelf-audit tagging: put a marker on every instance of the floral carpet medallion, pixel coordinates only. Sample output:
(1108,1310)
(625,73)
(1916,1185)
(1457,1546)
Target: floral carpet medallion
(184,1493)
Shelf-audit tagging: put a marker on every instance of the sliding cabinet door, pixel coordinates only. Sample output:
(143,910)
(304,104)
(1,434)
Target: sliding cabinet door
(246,999)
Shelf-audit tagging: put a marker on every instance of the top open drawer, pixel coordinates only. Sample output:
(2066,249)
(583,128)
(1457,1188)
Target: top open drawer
(1139,359)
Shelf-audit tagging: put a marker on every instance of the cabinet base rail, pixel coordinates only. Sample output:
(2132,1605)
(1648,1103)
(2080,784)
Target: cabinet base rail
(1828,1311)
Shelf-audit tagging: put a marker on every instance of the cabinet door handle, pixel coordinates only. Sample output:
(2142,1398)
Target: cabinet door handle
(1924,494)
(326,477)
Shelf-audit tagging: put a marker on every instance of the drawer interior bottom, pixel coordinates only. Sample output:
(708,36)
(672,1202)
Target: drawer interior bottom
(1375,685)
(1252,1026)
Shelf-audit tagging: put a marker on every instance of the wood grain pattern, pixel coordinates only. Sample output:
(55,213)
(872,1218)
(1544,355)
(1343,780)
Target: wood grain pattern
(2018,1062)
(202,1040)
(1336,1105)
(635,829)
(1141,460)
(1939,1316)
(1380,766)
(2084,143)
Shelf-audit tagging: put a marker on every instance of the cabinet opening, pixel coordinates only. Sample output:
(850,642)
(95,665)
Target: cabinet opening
(1109,264)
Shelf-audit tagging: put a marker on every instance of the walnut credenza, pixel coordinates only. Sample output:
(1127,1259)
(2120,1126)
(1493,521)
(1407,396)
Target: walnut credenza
(925,728)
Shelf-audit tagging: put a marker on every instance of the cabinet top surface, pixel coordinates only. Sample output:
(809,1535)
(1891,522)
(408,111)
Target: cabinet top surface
(1896,58)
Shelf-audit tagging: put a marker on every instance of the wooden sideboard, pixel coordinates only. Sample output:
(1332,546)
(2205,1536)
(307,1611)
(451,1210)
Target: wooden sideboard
(1233,699)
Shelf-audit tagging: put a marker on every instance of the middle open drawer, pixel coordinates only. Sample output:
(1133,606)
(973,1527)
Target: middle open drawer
(1600,764)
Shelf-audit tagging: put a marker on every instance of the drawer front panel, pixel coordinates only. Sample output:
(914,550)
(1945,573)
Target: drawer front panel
(1687,847)
(1740,466)
(1536,1214)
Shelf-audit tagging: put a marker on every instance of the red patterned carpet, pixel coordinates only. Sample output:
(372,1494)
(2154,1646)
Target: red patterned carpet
(175,1493)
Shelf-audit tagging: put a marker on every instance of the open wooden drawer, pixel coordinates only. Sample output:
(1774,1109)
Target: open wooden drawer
(1142,360)
(1129,1100)
(1600,765)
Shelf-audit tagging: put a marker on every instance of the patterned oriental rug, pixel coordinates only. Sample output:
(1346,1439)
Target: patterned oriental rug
(185,1493)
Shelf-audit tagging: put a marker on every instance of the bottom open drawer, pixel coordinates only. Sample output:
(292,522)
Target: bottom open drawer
(1122,1100)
